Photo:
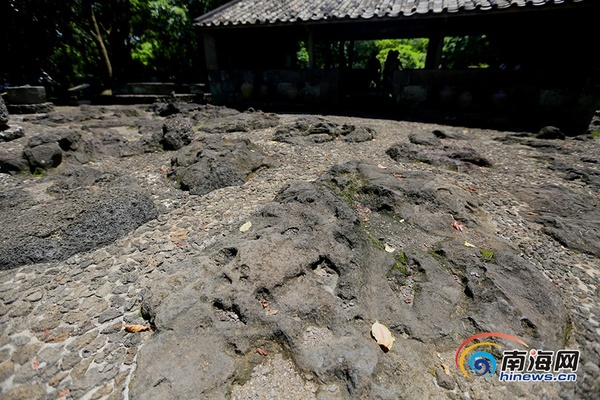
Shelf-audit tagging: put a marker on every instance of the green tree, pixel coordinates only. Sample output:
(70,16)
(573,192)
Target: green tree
(467,52)
(412,52)
(104,41)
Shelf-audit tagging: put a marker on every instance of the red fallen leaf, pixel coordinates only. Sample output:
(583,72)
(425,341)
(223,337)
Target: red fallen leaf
(63,393)
(532,213)
(261,351)
(36,364)
(456,225)
(471,190)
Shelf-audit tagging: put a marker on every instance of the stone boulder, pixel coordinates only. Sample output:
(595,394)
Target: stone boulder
(550,132)
(324,261)
(67,222)
(11,163)
(211,163)
(43,156)
(178,132)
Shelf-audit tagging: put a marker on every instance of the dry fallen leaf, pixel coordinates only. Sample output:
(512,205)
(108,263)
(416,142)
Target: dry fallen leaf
(264,303)
(36,364)
(261,351)
(64,393)
(136,328)
(389,249)
(383,336)
(381,166)
(469,244)
(246,227)
(446,369)
(456,225)
(271,312)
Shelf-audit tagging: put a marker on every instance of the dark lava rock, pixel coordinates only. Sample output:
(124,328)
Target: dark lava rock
(313,129)
(11,163)
(178,131)
(43,156)
(312,256)
(63,224)
(11,133)
(461,159)
(242,122)
(425,140)
(550,132)
(211,163)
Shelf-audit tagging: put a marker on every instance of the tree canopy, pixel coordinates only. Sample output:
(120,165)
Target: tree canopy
(100,42)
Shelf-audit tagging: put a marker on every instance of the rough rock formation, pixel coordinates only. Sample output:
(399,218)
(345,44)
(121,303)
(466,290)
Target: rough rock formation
(319,265)
(76,217)
(211,163)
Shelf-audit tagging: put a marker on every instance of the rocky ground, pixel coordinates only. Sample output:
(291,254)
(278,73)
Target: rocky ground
(191,252)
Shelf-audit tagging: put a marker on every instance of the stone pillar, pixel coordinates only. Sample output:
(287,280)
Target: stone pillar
(28,100)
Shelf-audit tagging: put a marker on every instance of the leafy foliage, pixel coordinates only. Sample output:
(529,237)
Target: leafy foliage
(466,52)
(412,52)
(100,41)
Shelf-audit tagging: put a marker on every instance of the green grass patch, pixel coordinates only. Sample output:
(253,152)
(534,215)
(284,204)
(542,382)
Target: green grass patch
(488,255)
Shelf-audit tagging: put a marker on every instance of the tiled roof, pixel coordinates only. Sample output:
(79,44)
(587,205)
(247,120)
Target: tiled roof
(252,12)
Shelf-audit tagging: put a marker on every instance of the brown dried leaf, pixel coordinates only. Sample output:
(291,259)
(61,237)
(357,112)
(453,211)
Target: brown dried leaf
(271,312)
(136,328)
(383,335)
(264,303)
(64,393)
(261,351)
(36,364)
(459,227)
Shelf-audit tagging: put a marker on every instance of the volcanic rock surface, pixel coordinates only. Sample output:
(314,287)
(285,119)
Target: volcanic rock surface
(184,251)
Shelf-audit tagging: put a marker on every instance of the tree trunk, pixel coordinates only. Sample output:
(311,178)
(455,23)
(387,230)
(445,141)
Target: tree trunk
(98,36)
